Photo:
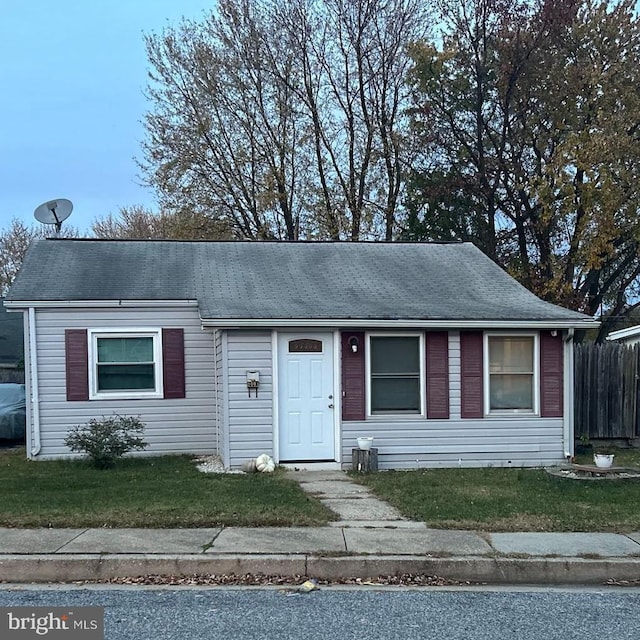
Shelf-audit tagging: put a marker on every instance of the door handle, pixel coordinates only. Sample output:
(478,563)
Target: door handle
(330,406)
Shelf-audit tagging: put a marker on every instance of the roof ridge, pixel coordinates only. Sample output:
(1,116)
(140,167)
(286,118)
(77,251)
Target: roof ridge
(269,242)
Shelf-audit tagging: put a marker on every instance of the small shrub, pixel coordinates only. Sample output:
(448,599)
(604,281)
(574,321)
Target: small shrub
(106,440)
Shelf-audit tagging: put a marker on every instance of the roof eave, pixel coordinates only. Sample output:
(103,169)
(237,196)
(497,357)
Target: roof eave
(397,323)
(386,323)
(64,304)
(621,334)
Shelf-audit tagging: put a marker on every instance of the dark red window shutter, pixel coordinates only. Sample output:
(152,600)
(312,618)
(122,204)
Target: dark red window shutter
(353,376)
(76,364)
(471,374)
(438,375)
(173,363)
(551,375)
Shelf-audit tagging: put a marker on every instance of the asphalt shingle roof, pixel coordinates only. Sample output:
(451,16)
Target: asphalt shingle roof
(279,280)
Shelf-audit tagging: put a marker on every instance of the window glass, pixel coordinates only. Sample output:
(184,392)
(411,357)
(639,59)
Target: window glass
(511,373)
(305,345)
(395,355)
(125,349)
(511,392)
(395,394)
(395,374)
(511,355)
(125,364)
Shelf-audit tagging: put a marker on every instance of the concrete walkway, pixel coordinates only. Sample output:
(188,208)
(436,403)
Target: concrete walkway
(355,505)
(370,540)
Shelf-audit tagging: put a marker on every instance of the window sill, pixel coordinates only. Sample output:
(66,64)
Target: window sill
(127,395)
(515,413)
(409,417)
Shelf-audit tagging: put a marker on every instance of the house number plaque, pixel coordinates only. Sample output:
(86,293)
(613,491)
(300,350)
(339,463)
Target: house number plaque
(305,345)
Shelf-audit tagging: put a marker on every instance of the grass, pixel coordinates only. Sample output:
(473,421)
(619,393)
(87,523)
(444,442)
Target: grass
(623,458)
(167,491)
(500,499)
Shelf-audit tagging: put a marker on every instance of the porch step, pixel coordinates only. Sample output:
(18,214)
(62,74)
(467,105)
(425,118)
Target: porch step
(304,476)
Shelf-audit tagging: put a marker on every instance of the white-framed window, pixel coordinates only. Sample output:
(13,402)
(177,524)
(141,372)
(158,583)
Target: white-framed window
(125,364)
(395,379)
(511,373)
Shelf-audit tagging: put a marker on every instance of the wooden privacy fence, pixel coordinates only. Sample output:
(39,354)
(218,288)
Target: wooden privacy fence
(606,390)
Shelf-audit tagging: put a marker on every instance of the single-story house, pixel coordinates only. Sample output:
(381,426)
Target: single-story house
(296,350)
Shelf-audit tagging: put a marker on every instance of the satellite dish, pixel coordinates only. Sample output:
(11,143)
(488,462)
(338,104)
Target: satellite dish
(54,212)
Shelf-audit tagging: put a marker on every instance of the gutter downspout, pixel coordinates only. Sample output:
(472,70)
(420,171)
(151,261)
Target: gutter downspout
(568,426)
(216,390)
(36,445)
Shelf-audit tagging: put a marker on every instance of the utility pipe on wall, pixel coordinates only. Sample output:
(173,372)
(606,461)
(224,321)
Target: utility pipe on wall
(567,423)
(216,391)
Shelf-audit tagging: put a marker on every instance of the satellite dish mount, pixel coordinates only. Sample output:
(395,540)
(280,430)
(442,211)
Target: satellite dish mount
(54,212)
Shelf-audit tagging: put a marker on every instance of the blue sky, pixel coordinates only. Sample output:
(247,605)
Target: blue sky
(72,76)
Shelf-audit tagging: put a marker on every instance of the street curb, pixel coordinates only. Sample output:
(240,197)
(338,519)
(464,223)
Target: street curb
(57,568)
(495,570)
(490,570)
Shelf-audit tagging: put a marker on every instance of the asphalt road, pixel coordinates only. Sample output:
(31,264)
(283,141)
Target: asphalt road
(196,614)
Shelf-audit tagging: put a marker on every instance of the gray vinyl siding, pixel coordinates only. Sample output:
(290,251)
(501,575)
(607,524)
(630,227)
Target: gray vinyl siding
(410,444)
(455,384)
(186,425)
(250,418)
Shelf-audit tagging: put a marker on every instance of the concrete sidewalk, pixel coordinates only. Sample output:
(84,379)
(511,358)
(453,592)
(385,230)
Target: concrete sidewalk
(62,555)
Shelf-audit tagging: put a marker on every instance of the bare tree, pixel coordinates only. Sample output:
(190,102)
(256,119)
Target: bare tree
(223,135)
(137,222)
(365,67)
(284,119)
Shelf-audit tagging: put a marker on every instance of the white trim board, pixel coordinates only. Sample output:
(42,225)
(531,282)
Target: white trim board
(84,304)
(269,323)
(399,324)
(621,334)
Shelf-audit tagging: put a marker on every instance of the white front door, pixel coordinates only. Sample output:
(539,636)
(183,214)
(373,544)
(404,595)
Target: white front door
(306,429)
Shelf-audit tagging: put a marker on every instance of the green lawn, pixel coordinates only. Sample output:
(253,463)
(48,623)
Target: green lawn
(623,458)
(167,491)
(497,499)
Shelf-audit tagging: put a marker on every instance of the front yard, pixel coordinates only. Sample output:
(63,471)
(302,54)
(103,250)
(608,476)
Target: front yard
(158,492)
(497,499)
(170,492)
